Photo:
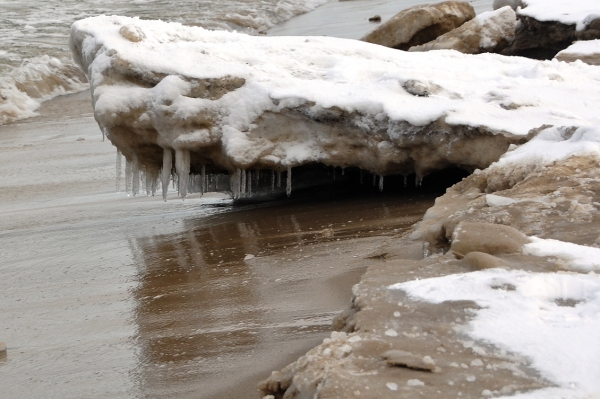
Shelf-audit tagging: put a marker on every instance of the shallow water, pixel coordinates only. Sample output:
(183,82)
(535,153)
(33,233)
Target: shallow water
(105,295)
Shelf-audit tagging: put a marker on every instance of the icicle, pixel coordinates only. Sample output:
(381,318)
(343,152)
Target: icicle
(380,183)
(374,180)
(182,166)
(128,177)
(135,168)
(278,179)
(272,180)
(249,180)
(288,187)
(204,187)
(143,178)
(243,184)
(119,160)
(343,171)
(234,183)
(418,181)
(257,174)
(405,181)
(361,176)
(154,183)
(166,171)
(149,178)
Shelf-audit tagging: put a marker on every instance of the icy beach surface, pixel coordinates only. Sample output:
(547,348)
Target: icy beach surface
(236,102)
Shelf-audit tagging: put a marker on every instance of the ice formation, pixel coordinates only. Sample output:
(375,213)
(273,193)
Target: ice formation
(185,100)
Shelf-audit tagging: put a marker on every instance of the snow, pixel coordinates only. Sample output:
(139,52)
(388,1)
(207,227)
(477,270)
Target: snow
(569,12)
(187,89)
(583,47)
(551,318)
(571,256)
(551,145)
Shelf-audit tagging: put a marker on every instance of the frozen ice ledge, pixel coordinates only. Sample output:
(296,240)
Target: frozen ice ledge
(190,101)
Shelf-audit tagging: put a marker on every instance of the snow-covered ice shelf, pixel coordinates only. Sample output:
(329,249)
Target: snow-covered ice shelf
(222,102)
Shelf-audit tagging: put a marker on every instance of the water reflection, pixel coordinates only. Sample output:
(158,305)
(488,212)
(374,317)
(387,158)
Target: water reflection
(211,323)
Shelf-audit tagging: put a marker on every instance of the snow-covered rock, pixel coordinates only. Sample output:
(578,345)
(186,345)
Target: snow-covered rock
(551,180)
(549,26)
(220,102)
(489,32)
(587,51)
(420,24)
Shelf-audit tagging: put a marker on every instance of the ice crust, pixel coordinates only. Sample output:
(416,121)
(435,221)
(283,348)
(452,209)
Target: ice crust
(238,102)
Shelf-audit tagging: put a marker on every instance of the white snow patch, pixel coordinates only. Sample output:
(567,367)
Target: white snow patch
(551,145)
(553,319)
(582,47)
(572,256)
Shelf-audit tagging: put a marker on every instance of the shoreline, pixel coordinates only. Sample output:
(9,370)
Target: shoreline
(350,19)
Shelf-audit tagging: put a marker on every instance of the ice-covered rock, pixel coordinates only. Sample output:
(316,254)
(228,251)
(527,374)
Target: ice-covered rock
(420,24)
(587,51)
(552,180)
(549,26)
(192,101)
(489,32)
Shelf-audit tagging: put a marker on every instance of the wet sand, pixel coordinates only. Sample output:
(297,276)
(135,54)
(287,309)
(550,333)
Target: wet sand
(110,296)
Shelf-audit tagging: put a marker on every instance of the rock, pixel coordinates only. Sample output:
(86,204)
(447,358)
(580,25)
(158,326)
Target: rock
(546,28)
(132,33)
(488,32)
(487,238)
(406,359)
(421,24)
(481,260)
(587,51)
(376,18)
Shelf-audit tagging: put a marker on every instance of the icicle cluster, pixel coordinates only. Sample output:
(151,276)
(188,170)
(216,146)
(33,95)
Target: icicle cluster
(243,182)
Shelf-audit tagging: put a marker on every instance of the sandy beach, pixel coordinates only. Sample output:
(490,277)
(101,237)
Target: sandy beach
(107,295)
